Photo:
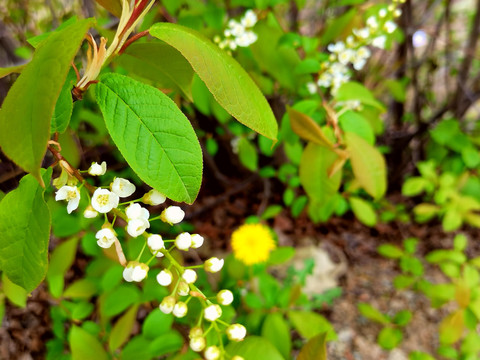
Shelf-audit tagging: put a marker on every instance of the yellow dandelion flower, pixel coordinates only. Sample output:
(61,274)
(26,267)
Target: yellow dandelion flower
(252,243)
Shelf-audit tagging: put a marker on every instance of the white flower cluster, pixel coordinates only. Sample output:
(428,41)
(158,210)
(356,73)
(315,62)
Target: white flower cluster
(239,33)
(354,52)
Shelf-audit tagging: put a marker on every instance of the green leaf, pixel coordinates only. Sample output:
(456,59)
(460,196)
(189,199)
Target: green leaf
(356,91)
(14,293)
(363,211)
(60,261)
(119,300)
(156,323)
(402,318)
(85,346)
(389,338)
(414,186)
(276,330)
(281,255)
(64,106)
(114,6)
(25,229)
(390,251)
(417,355)
(166,343)
(352,121)
(305,127)
(371,313)
(12,69)
(153,135)
(122,329)
(252,346)
(160,63)
(452,327)
(83,288)
(231,86)
(314,349)
(368,165)
(28,108)
(247,154)
(310,324)
(314,167)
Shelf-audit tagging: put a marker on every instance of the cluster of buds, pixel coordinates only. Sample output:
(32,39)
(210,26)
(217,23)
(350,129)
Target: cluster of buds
(355,51)
(179,279)
(239,34)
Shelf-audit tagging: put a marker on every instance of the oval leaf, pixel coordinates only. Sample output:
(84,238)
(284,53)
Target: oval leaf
(364,211)
(305,127)
(25,229)
(114,6)
(231,86)
(153,135)
(122,328)
(368,165)
(276,330)
(28,108)
(252,346)
(314,349)
(85,346)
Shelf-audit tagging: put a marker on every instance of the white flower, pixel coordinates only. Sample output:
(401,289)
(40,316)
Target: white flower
(90,212)
(136,211)
(372,22)
(154,197)
(155,243)
(382,13)
(379,42)
(213,265)
(96,169)
(190,276)
(246,39)
(104,200)
(183,241)
(362,33)
(236,332)
(325,80)
(106,237)
(346,56)
(212,353)
(137,227)
(225,297)
(69,193)
(197,241)
(197,343)
(358,64)
(312,88)
(419,38)
(337,47)
(397,13)
(236,29)
(122,187)
(180,309)
(164,277)
(135,271)
(212,312)
(249,19)
(167,304)
(172,215)
(390,26)
(183,288)
(232,45)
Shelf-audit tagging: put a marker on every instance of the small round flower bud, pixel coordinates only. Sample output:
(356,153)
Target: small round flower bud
(153,197)
(106,237)
(197,343)
(183,288)
(155,243)
(212,353)
(172,215)
(197,241)
(164,277)
(225,297)
(190,276)
(140,272)
(97,169)
(213,265)
(180,309)
(237,357)
(136,211)
(212,312)
(167,304)
(104,201)
(196,331)
(90,212)
(137,227)
(236,332)
(122,187)
(183,241)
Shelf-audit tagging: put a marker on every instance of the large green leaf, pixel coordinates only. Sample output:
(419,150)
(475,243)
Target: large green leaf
(25,229)
(160,63)
(368,165)
(12,69)
(252,346)
(314,349)
(355,91)
(64,106)
(28,108)
(153,135)
(231,86)
(314,167)
(277,331)
(85,346)
(305,127)
(60,261)
(122,328)
(310,324)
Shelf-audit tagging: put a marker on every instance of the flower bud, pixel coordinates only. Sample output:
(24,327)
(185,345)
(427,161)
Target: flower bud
(97,170)
(225,297)
(153,197)
(136,211)
(183,288)
(122,187)
(172,215)
(135,271)
(180,309)
(155,243)
(197,343)
(164,277)
(212,312)
(167,304)
(196,331)
(106,237)
(190,276)
(213,265)
(212,353)
(236,332)
(183,241)
(90,212)
(137,227)
(197,241)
